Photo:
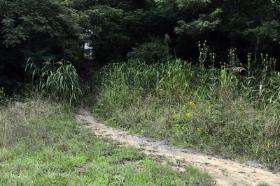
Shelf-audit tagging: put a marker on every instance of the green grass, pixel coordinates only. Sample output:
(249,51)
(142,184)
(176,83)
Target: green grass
(41,144)
(222,111)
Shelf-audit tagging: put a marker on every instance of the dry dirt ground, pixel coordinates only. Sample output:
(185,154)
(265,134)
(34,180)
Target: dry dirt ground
(225,172)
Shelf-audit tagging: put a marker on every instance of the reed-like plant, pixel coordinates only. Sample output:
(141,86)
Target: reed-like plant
(59,80)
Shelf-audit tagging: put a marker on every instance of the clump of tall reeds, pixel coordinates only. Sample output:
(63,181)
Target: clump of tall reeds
(58,80)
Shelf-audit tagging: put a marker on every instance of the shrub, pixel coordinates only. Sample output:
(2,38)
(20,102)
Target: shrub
(150,52)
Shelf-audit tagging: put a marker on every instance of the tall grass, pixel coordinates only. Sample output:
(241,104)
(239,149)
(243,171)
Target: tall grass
(58,80)
(2,95)
(233,111)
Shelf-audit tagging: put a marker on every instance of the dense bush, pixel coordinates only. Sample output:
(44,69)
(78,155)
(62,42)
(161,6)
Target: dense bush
(37,29)
(150,52)
(57,29)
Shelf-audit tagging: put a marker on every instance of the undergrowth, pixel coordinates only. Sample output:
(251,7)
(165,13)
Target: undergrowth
(232,111)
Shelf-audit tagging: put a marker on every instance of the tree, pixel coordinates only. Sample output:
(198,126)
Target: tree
(36,29)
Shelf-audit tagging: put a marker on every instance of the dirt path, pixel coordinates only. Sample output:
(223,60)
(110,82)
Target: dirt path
(225,172)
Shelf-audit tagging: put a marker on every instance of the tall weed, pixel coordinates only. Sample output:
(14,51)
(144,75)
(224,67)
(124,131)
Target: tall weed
(224,110)
(59,80)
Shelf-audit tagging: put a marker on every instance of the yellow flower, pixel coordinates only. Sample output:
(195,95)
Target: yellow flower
(191,105)
(189,116)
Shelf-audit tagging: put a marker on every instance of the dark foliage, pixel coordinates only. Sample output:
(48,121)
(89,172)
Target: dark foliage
(59,29)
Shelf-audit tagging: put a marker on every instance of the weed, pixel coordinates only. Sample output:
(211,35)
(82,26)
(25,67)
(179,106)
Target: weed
(234,114)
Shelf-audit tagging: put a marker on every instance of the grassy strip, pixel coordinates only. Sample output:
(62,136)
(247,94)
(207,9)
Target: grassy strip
(220,111)
(40,144)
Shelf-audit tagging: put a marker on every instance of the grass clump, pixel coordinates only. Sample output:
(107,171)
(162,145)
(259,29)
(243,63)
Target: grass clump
(232,111)
(41,144)
(58,80)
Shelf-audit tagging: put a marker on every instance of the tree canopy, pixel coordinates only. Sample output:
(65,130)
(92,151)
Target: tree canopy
(60,29)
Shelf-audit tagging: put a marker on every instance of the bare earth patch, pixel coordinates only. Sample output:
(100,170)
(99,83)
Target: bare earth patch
(225,172)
